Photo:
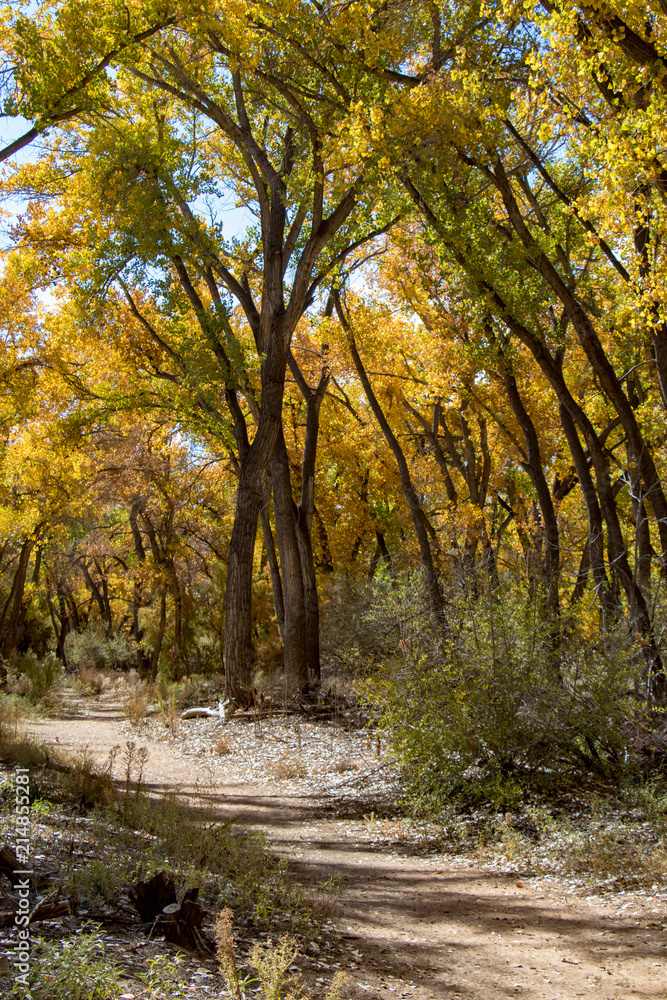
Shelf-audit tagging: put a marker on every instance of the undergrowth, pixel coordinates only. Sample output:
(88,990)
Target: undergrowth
(76,968)
(132,835)
(499,706)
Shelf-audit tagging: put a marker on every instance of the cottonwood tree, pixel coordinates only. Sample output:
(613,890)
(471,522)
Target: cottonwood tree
(227,104)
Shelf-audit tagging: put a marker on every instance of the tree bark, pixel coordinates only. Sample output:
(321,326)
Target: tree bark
(381,554)
(294,633)
(305,512)
(157,648)
(535,470)
(137,632)
(270,549)
(253,466)
(11,613)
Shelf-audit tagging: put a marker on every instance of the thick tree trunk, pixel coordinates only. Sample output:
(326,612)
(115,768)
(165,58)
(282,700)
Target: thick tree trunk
(252,474)
(238,597)
(294,632)
(12,611)
(272,558)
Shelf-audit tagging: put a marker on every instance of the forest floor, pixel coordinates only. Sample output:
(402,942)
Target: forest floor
(404,914)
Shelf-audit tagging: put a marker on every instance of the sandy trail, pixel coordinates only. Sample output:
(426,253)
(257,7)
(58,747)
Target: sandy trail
(416,926)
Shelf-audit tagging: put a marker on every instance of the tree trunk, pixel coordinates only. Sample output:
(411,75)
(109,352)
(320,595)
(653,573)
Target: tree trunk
(252,474)
(294,633)
(270,549)
(311,603)
(418,516)
(238,597)
(178,613)
(304,518)
(325,564)
(381,555)
(155,656)
(535,470)
(137,632)
(644,551)
(11,614)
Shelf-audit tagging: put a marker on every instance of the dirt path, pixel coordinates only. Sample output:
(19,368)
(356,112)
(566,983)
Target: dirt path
(413,926)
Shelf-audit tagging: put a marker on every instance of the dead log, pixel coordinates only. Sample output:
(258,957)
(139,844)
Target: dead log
(52,907)
(10,864)
(150,898)
(224,711)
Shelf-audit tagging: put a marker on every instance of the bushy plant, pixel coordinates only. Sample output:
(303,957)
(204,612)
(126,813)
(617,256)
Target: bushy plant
(360,622)
(273,961)
(75,968)
(13,709)
(93,649)
(40,672)
(498,700)
(97,879)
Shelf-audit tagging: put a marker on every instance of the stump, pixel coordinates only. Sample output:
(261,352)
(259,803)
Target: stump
(150,898)
(155,902)
(181,925)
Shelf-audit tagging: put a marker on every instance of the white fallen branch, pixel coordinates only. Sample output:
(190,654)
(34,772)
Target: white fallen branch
(197,713)
(224,711)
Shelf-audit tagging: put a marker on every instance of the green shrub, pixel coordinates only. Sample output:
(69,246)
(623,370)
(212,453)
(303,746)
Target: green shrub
(93,649)
(74,968)
(40,672)
(499,701)
(13,709)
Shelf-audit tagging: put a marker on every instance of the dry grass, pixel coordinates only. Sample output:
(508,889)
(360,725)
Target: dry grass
(171,716)
(345,765)
(136,706)
(614,853)
(272,962)
(324,899)
(224,937)
(91,680)
(289,767)
(222,746)
(13,711)
(18,751)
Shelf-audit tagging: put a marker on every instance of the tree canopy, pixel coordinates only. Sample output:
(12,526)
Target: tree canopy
(307,291)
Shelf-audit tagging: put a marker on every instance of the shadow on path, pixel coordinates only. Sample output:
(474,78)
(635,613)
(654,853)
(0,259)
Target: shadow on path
(411,926)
